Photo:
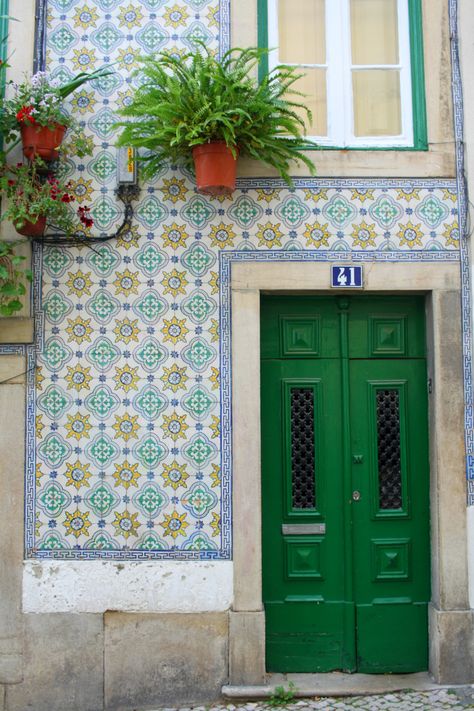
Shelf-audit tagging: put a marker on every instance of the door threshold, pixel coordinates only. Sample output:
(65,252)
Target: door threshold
(334,684)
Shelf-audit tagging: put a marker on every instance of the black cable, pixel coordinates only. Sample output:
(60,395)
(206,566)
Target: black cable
(18,375)
(127,194)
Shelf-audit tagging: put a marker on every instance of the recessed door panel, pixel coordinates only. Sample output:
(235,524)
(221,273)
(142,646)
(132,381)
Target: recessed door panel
(344,484)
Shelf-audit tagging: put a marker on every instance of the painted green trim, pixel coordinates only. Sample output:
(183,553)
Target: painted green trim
(413,149)
(420,131)
(4,8)
(313,384)
(376,511)
(349,616)
(262,27)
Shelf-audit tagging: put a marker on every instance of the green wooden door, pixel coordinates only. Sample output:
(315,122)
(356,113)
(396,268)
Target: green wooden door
(344,484)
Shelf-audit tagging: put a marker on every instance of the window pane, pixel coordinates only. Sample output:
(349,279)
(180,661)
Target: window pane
(313,85)
(303,484)
(302,33)
(377,105)
(374,28)
(388,446)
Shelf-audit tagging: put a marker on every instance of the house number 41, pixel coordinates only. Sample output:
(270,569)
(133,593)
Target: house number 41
(349,277)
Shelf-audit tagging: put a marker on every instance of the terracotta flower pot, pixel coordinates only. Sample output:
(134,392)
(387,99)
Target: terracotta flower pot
(216,168)
(33,229)
(42,141)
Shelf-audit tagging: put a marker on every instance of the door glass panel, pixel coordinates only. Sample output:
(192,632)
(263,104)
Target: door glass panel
(377,102)
(302,32)
(388,449)
(313,85)
(303,482)
(374,31)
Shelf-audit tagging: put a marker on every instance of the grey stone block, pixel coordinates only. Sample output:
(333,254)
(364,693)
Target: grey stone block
(63,656)
(12,427)
(452,646)
(154,660)
(247,647)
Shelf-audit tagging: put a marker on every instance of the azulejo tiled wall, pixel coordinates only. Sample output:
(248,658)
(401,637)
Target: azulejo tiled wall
(127,403)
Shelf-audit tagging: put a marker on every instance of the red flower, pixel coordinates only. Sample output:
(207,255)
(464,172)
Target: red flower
(24,115)
(83,213)
(11,182)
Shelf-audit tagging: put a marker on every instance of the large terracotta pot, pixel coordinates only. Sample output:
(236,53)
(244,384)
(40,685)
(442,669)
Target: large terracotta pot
(33,229)
(42,141)
(216,168)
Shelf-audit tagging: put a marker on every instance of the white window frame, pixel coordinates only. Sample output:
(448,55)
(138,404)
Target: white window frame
(339,68)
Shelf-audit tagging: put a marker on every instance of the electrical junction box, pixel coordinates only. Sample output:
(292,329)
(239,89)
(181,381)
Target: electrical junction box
(127,166)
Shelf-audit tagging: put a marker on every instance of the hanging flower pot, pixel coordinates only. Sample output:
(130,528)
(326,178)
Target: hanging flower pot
(42,141)
(32,229)
(216,168)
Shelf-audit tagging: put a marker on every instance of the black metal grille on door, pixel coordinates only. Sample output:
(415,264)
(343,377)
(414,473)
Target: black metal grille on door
(302,449)
(388,445)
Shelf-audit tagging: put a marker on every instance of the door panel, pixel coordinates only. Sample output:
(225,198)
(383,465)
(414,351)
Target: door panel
(304,585)
(390,519)
(344,484)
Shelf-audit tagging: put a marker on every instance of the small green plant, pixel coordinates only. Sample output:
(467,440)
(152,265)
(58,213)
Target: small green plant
(186,101)
(13,275)
(282,696)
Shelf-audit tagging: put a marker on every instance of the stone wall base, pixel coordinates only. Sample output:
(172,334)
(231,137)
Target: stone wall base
(451,646)
(164,659)
(63,664)
(138,662)
(120,662)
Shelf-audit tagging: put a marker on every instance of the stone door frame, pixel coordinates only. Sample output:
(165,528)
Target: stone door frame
(449,608)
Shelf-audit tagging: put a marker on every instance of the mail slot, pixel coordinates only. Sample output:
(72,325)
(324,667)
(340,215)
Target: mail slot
(303,529)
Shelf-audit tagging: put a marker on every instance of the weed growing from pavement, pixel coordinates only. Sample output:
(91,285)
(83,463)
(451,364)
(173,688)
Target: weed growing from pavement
(282,696)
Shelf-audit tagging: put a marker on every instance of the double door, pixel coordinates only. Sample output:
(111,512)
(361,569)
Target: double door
(345,484)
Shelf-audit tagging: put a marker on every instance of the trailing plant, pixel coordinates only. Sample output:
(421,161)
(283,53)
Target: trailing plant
(32,194)
(13,275)
(13,272)
(186,101)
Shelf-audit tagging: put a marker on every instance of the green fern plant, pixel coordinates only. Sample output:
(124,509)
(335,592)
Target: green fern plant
(186,101)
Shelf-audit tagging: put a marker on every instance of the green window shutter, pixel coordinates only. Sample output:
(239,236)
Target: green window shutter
(3,40)
(262,11)
(420,132)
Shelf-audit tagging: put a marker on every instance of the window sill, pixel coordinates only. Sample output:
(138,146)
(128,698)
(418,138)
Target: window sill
(438,162)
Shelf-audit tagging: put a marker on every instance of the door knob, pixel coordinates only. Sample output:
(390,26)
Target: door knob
(356,495)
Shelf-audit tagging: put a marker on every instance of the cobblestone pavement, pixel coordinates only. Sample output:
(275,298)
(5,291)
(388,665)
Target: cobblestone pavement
(457,699)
